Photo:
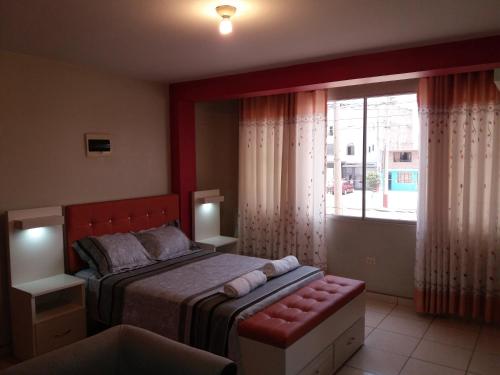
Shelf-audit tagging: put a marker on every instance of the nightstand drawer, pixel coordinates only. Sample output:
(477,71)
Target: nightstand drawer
(60,331)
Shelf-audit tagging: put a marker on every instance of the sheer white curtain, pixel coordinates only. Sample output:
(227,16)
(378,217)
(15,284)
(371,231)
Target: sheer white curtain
(458,229)
(282,165)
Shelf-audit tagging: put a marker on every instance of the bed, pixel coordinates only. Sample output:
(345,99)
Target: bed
(179,298)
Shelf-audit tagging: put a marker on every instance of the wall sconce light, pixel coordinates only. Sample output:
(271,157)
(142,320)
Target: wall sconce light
(212,199)
(226,12)
(38,222)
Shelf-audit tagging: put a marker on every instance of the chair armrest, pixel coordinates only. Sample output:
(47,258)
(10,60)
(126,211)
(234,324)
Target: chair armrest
(144,352)
(94,355)
(126,349)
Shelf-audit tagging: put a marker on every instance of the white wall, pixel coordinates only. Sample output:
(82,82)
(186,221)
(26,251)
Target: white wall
(217,156)
(45,109)
(351,241)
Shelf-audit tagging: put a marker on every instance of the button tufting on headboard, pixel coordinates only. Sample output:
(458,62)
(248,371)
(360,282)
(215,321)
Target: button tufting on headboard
(119,216)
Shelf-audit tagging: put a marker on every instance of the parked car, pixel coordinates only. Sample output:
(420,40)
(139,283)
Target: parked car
(347,187)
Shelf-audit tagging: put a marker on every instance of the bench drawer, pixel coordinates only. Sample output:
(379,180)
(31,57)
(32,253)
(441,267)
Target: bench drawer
(349,342)
(321,365)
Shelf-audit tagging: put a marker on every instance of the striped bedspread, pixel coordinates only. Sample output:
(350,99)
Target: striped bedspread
(182,298)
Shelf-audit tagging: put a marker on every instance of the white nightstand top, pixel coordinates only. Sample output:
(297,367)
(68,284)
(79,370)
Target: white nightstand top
(49,284)
(219,241)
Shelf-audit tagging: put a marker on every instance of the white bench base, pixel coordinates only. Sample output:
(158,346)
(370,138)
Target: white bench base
(322,351)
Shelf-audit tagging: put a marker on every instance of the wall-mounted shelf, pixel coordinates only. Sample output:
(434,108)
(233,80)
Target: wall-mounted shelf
(219,241)
(37,222)
(212,199)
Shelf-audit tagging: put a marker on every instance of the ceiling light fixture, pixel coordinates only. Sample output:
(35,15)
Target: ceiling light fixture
(226,12)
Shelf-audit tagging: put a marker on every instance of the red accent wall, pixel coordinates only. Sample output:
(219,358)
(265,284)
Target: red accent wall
(183,157)
(439,59)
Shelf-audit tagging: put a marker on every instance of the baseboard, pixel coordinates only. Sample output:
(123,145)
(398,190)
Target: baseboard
(390,299)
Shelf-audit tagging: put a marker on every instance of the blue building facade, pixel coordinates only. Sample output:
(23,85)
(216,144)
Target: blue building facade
(403,180)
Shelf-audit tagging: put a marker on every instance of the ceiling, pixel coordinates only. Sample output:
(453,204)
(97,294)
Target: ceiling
(166,40)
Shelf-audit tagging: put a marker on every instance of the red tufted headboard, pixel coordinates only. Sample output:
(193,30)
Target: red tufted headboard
(119,216)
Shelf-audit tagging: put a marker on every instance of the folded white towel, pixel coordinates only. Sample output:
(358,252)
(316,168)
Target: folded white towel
(281,266)
(244,284)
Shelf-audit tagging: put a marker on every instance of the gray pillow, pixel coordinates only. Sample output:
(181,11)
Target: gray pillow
(90,252)
(122,251)
(164,243)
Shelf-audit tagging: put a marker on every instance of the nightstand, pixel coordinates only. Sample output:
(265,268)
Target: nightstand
(47,314)
(219,243)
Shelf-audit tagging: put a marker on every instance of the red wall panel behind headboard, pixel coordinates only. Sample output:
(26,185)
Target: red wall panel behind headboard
(431,60)
(121,216)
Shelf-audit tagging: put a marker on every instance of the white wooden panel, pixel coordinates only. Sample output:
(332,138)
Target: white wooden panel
(321,365)
(349,342)
(35,253)
(206,217)
(260,358)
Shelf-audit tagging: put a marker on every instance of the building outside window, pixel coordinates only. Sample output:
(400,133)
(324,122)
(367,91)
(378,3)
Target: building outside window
(350,149)
(402,157)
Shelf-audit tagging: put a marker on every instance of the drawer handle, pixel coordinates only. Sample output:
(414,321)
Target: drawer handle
(63,334)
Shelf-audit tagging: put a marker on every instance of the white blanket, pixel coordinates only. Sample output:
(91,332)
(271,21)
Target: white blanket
(244,284)
(279,267)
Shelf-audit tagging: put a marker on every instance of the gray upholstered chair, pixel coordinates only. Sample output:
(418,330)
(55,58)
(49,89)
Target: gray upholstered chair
(126,350)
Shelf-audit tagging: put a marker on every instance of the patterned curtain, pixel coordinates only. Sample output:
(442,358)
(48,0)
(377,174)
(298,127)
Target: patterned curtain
(458,229)
(282,177)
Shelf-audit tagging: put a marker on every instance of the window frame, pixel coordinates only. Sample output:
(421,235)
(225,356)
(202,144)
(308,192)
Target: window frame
(363,216)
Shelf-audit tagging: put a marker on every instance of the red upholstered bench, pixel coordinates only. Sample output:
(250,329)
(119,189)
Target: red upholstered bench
(284,322)
(308,312)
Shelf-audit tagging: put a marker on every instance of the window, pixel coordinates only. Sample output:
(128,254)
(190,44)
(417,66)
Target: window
(386,129)
(404,178)
(344,171)
(350,149)
(402,157)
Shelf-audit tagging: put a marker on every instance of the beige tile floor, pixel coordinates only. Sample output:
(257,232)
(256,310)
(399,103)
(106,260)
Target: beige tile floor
(399,341)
